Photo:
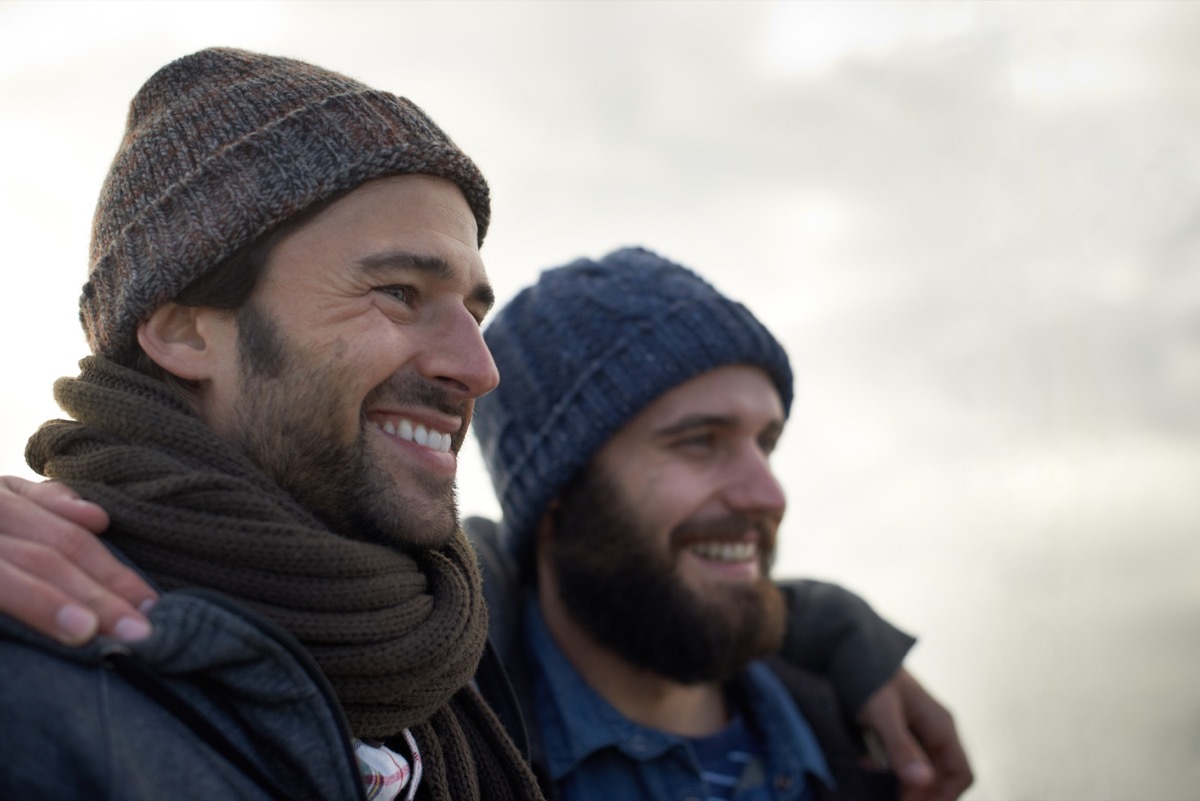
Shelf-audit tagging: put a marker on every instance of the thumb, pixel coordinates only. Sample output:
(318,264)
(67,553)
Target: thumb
(905,755)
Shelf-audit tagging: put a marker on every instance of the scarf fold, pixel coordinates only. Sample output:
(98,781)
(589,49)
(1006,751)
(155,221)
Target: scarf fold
(397,633)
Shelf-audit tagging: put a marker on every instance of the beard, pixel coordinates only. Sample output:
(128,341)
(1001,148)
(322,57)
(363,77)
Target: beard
(289,421)
(622,587)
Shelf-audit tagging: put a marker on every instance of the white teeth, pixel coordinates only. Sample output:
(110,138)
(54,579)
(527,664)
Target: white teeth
(726,551)
(429,438)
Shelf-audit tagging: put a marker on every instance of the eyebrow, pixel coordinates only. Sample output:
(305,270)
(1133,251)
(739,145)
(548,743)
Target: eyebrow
(694,421)
(433,266)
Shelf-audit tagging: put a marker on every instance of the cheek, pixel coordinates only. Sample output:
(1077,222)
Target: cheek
(382,348)
(357,362)
(664,498)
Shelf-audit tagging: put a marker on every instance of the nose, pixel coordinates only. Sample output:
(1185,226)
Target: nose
(753,487)
(457,357)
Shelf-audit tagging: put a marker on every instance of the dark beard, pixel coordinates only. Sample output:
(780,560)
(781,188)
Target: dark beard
(288,426)
(620,585)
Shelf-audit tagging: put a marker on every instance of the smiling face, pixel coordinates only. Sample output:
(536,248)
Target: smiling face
(353,370)
(661,548)
(694,465)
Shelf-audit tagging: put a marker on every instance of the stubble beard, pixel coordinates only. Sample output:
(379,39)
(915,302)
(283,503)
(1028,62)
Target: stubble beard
(626,593)
(288,417)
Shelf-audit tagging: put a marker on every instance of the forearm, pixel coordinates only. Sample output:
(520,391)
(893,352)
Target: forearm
(833,631)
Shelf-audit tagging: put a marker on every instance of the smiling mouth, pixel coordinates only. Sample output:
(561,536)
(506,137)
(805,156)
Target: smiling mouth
(406,429)
(725,551)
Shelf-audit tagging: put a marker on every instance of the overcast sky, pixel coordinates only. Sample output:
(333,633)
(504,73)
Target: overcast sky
(973,225)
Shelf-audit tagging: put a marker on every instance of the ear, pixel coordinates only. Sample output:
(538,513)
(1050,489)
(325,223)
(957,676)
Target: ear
(190,342)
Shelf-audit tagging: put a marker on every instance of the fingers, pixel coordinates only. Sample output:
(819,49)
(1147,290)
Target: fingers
(53,497)
(55,575)
(933,725)
(883,714)
(44,607)
(954,774)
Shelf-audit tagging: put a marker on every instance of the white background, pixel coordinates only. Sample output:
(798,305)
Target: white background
(974,226)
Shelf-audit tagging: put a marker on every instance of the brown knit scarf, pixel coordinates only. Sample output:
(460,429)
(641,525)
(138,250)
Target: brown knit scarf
(398,634)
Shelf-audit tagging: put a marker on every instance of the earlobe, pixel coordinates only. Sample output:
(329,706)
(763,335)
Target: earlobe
(180,339)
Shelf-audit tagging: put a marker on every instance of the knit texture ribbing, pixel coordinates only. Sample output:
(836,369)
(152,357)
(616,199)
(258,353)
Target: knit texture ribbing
(221,147)
(583,351)
(398,634)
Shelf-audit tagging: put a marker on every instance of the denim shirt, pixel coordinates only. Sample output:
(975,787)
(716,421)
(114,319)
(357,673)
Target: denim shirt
(594,753)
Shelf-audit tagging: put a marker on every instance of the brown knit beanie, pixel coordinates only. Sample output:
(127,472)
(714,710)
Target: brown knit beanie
(221,147)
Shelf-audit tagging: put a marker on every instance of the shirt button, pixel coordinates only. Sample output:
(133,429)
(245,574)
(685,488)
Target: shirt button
(638,743)
(783,782)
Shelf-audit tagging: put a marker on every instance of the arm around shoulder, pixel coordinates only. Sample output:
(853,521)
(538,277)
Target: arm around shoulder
(55,575)
(833,631)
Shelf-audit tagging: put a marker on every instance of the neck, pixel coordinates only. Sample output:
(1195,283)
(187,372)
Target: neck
(643,696)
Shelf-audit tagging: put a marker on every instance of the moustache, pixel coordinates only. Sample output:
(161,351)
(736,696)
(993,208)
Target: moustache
(412,390)
(730,527)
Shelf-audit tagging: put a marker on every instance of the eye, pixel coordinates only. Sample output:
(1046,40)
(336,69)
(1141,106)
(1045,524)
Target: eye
(400,292)
(768,441)
(697,443)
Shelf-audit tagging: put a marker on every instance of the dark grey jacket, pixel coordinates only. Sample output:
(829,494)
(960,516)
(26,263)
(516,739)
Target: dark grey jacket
(217,703)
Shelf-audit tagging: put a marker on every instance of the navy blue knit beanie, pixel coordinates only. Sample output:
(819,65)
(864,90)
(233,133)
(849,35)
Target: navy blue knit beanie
(583,351)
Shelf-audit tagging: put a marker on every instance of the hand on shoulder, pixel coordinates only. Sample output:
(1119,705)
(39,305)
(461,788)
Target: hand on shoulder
(56,576)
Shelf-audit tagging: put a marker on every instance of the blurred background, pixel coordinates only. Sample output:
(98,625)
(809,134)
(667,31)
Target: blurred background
(974,226)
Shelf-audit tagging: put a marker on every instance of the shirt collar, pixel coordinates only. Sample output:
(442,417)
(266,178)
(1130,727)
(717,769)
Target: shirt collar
(575,721)
(789,741)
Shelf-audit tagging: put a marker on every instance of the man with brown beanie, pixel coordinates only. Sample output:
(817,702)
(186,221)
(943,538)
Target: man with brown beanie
(283,306)
(629,445)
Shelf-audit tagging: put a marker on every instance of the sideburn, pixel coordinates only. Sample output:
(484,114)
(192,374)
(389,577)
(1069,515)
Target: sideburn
(261,351)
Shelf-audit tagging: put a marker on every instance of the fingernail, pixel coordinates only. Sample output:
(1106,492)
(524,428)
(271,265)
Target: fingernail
(917,773)
(145,606)
(76,622)
(129,629)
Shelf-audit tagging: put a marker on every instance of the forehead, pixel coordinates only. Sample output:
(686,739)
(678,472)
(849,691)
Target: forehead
(418,214)
(739,394)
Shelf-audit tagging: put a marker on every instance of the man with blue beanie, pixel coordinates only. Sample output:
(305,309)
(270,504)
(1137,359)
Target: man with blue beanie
(629,444)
